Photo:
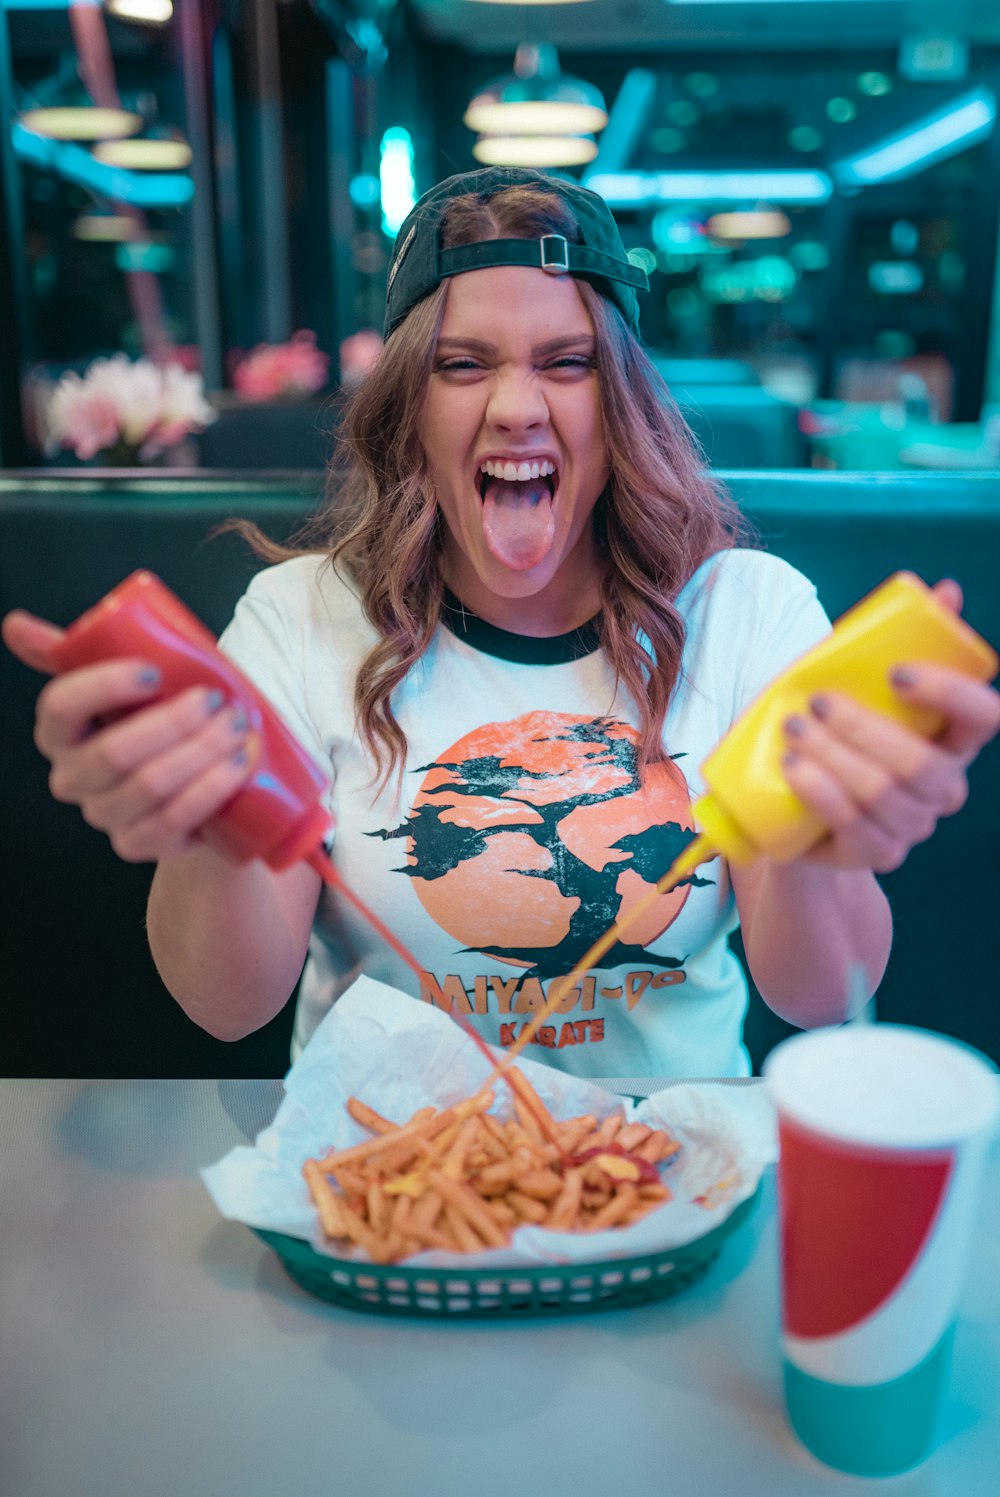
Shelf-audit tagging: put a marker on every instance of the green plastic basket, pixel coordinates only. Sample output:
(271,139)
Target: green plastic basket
(463,1293)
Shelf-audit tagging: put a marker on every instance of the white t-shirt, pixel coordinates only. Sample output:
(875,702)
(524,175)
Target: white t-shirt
(520,830)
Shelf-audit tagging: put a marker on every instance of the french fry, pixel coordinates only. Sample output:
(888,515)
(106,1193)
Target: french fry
(470,1207)
(368,1117)
(543,1185)
(527,1208)
(657,1147)
(567,1204)
(571,1132)
(379,1210)
(460,1180)
(464,1238)
(328,1203)
(616,1209)
(632,1135)
(426,1211)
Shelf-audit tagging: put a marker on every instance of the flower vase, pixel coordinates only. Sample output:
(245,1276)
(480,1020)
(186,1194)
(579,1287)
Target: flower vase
(121,455)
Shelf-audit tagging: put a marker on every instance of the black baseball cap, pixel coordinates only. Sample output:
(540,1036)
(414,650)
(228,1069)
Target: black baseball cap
(419,264)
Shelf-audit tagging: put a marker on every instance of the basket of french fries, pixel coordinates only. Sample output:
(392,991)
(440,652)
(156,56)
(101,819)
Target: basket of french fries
(395,1179)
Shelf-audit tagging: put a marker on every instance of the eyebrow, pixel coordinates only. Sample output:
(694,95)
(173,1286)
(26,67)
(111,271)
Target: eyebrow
(551,345)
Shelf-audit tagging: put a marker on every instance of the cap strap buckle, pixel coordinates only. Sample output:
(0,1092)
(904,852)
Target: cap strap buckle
(554,251)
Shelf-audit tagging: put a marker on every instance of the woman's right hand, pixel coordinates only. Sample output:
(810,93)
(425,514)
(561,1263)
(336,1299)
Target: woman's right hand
(150,778)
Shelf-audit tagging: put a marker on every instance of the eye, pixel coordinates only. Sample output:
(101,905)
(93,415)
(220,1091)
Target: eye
(571,363)
(458,364)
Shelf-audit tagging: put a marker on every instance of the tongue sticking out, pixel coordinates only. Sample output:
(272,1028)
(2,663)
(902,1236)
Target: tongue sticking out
(518,522)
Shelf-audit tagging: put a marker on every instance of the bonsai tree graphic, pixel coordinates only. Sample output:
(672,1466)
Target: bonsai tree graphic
(600,765)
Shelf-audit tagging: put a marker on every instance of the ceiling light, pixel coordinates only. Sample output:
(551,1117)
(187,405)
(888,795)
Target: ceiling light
(152,12)
(961,124)
(106,228)
(145,155)
(637,189)
(81,122)
(750,223)
(537,98)
(535,150)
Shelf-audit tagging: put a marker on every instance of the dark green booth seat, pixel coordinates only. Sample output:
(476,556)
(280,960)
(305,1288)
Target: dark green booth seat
(81,995)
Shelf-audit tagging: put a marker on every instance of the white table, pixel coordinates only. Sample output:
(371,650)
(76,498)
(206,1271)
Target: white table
(148,1347)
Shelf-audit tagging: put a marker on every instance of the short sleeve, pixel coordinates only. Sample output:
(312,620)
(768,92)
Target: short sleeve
(788,620)
(263,641)
(748,615)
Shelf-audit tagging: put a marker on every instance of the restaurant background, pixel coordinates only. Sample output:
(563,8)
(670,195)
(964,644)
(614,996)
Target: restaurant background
(813,186)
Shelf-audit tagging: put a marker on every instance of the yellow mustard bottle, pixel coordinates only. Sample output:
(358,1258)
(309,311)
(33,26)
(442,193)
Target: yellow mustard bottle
(749,809)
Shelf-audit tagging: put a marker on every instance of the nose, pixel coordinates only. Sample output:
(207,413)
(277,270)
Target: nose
(517,402)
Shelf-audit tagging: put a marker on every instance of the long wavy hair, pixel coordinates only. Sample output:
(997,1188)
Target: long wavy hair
(660,516)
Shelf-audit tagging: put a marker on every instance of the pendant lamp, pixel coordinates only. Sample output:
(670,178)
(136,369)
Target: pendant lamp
(60,108)
(81,122)
(146,12)
(537,99)
(760,222)
(535,150)
(145,153)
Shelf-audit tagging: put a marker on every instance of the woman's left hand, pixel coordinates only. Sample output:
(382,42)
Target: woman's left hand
(879,787)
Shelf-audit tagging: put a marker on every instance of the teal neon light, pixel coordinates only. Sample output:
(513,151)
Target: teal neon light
(639,189)
(396,180)
(153,190)
(963,123)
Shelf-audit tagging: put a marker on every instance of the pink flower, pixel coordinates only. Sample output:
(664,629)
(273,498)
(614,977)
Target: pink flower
(120,403)
(358,354)
(270,370)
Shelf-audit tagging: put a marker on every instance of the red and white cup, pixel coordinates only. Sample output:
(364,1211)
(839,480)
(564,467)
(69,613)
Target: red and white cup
(883,1131)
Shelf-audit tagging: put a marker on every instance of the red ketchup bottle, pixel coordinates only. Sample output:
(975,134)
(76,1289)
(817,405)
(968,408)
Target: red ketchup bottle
(278,813)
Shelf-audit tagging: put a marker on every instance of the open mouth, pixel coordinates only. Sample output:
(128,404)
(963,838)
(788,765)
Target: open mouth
(518,516)
(523,476)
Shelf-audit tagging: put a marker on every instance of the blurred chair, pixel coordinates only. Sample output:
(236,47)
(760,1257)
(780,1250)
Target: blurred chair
(292,436)
(705,371)
(743,426)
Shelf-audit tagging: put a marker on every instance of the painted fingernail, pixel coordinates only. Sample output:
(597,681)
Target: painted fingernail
(903,675)
(149,676)
(795,726)
(214,701)
(240,757)
(240,721)
(790,759)
(819,706)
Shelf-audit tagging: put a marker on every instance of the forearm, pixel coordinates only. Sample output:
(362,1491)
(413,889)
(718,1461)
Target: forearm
(808,930)
(229,940)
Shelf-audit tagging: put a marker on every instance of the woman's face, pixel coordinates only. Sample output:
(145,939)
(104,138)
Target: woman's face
(515,448)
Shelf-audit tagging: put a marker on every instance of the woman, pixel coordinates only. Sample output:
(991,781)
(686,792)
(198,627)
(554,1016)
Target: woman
(536,625)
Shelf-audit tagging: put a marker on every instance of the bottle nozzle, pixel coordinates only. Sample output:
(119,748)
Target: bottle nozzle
(699,850)
(722,831)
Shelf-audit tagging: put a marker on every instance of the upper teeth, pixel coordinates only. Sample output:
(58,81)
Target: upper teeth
(517,472)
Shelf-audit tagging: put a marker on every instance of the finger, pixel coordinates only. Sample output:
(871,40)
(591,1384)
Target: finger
(116,753)
(31,639)
(872,753)
(971,708)
(949,592)
(70,706)
(855,841)
(867,785)
(174,827)
(158,779)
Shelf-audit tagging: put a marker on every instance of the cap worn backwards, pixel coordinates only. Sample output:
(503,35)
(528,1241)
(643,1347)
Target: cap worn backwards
(419,264)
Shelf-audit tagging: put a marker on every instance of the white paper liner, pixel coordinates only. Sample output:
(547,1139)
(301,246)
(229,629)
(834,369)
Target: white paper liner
(398,1054)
